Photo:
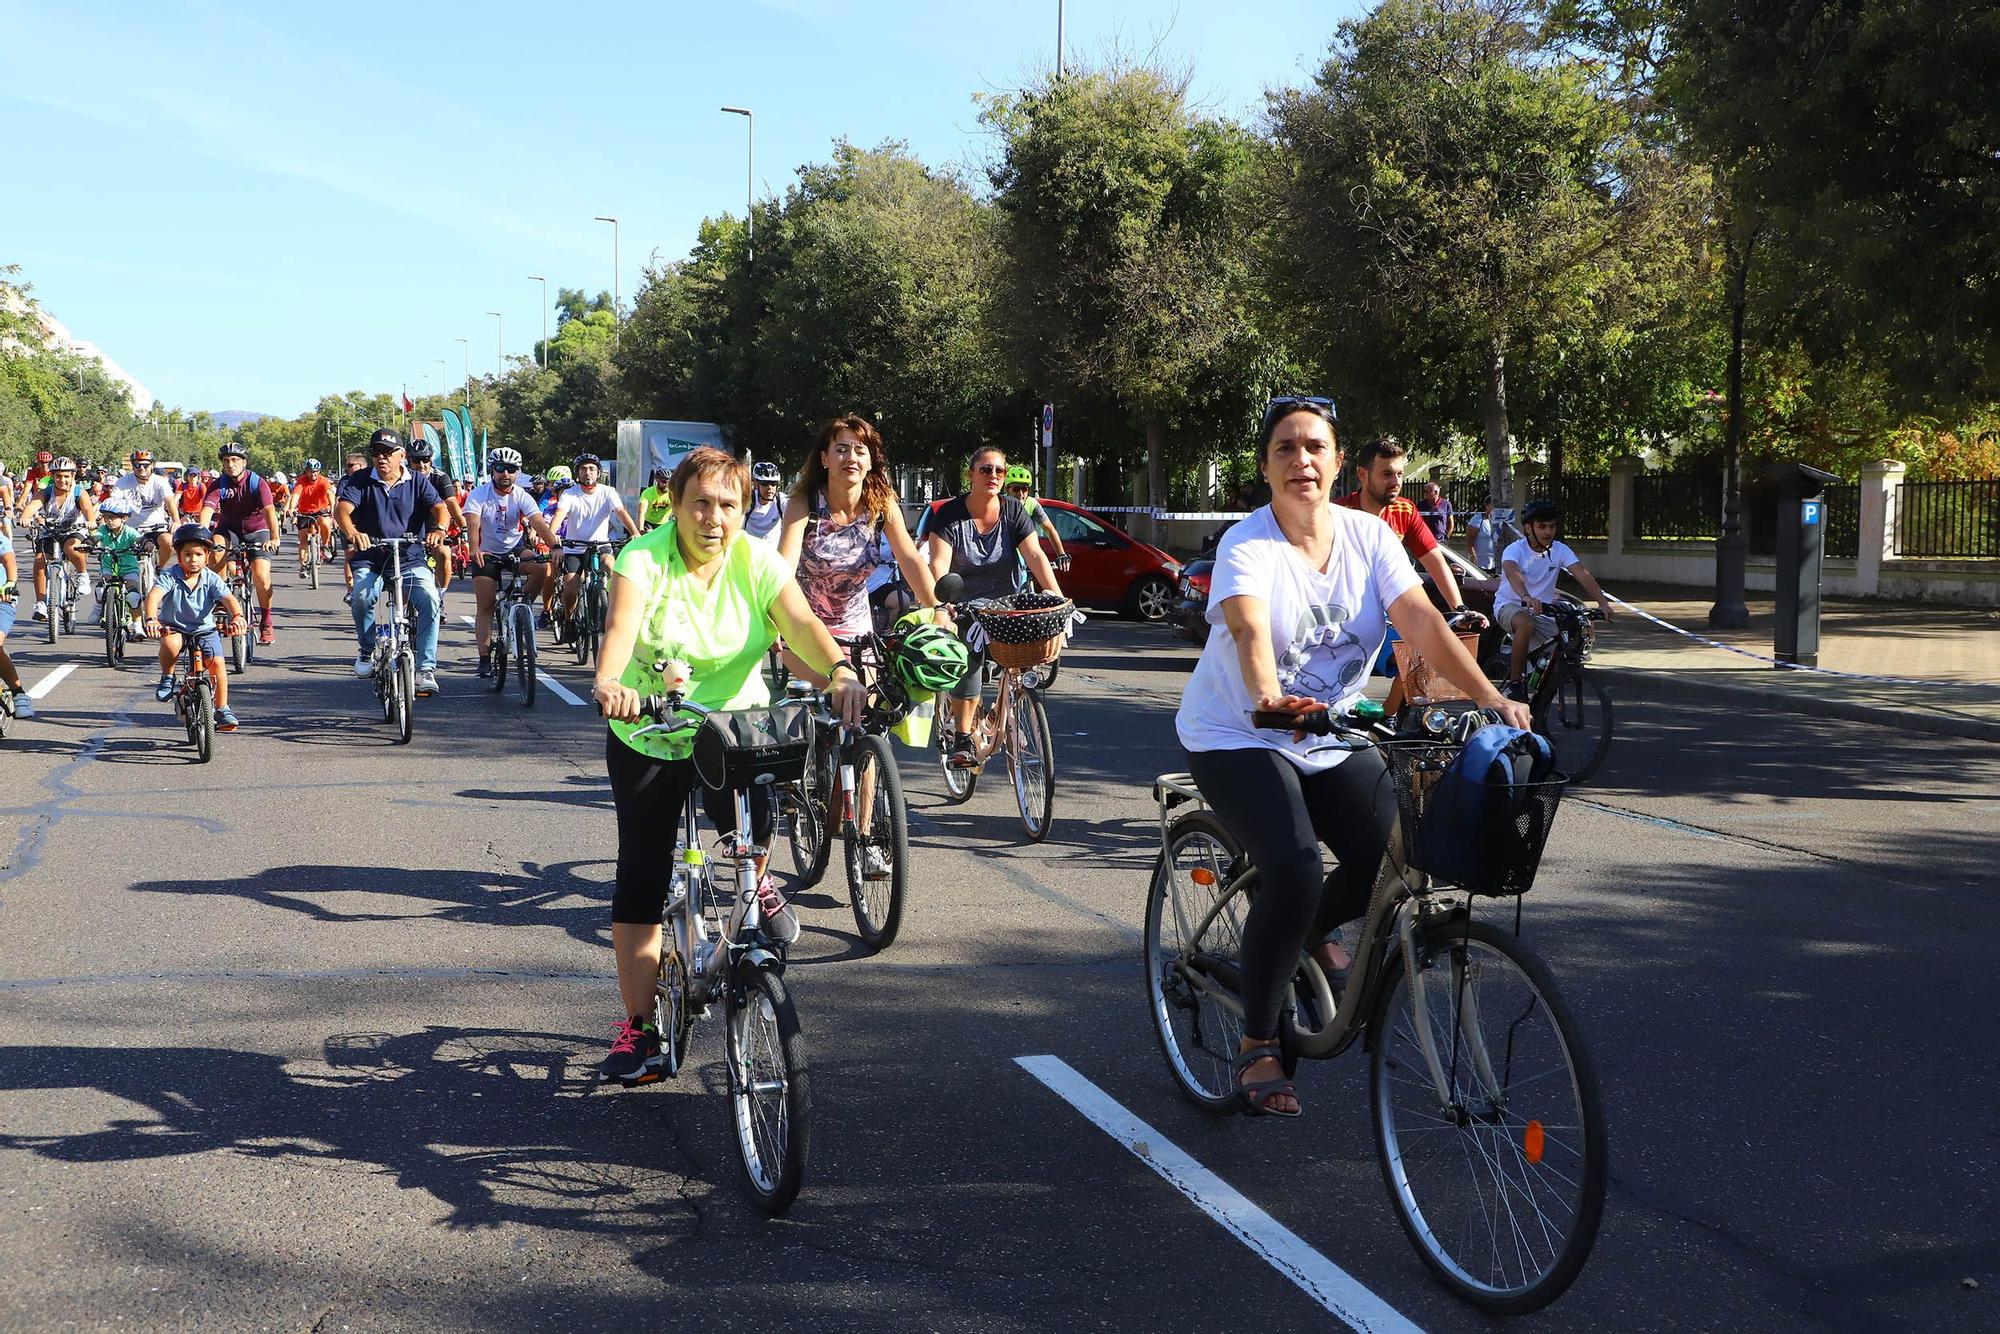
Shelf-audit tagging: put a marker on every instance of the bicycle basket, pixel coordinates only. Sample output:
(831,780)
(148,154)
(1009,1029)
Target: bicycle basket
(743,747)
(1472,818)
(1025,630)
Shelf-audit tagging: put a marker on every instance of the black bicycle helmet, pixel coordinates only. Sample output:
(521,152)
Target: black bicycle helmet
(1540,511)
(233,450)
(192,534)
(421,451)
(581,460)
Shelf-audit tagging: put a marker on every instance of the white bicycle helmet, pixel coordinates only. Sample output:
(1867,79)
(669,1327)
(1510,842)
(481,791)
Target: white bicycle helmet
(116,505)
(503,456)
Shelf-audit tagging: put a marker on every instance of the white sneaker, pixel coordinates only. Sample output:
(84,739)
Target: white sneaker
(364,666)
(875,863)
(83,585)
(41,610)
(426,683)
(23,706)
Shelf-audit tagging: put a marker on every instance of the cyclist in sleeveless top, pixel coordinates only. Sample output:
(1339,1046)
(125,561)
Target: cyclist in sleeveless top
(1302,595)
(66,513)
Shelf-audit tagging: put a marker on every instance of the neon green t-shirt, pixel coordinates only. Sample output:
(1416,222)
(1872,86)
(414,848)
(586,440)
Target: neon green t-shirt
(721,632)
(655,506)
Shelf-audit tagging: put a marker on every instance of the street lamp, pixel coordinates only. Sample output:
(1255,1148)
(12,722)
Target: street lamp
(614,276)
(537,278)
(499,343)
(468,371)
(749,182)
(1061,6)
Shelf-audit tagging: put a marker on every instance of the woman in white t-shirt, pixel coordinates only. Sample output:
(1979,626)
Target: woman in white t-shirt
(1299,603)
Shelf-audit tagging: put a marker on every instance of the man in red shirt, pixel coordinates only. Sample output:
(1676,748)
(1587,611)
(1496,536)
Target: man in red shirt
(1379,466)
(35,474)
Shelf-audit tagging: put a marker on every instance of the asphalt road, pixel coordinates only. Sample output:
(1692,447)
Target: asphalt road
(305,1038)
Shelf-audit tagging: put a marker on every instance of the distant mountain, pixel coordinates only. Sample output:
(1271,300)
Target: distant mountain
(233,418)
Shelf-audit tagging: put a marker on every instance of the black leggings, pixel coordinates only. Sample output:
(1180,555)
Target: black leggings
(1281,815)
(649,795)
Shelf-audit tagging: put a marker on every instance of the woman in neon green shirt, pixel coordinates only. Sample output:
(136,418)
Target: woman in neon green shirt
(698,591)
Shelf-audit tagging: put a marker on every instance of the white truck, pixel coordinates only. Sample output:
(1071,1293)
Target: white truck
(645,444)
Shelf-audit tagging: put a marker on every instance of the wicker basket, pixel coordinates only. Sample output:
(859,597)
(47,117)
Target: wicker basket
(1423,683)
(1020,657)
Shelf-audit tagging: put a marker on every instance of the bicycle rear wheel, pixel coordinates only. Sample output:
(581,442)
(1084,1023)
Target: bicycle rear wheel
(1502,1191)
(769,1095)
(878,900)
(594,619)
(1576,719)
(1031,762)
(524,652)
(1194,928)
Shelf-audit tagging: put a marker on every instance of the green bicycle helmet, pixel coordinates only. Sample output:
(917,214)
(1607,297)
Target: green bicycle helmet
(930,658)
(1019,476)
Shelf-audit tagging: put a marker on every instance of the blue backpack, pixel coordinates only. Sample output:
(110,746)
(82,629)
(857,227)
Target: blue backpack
(1487,814)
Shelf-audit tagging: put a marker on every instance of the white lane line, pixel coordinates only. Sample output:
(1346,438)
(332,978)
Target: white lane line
(1320,1278)
(51,681)
(557,688)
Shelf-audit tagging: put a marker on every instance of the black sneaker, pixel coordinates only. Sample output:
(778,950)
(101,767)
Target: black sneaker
(961,756)
(635,1053)
(486,665)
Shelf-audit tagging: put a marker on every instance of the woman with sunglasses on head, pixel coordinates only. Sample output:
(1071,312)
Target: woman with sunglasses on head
(984,537)
(1300,600)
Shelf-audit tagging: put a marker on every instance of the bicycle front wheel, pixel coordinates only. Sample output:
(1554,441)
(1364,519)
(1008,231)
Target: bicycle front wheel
(113,624)
(58,599)
(770,1100)
(1194,942)
(1031,761)
(524,653)
(878,862)
(498,641)
(312,567)
(201,726)
(403,690)
(1500,1184)
(1576,719)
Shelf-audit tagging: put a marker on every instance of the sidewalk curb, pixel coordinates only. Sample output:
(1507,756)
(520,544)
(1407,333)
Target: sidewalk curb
(1693,687)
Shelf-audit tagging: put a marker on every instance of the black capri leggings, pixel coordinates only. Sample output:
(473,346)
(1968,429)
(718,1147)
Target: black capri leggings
(1281,815)
(649,795)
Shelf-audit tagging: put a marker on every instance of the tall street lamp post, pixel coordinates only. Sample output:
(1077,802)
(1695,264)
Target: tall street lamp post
(614,276)
(749,181)
(499,344)
(468,371)
(1061,6)
(536,278)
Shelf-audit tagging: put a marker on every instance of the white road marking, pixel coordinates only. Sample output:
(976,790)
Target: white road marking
(557,688)
(1321,1279)
(51,681)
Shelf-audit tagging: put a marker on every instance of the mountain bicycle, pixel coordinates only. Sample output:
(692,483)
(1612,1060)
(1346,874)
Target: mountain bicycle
(852,785)
(236,576)
(513,630)
(117,609)
(193,698)
(1489,1127)
(714,946)
(1570,705)
(394,651)
(1017,722)
(311,547)
(65,590)
(592,608)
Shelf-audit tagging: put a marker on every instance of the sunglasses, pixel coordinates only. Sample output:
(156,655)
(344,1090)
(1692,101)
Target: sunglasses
(992,470)
(1278,407)
(499,468)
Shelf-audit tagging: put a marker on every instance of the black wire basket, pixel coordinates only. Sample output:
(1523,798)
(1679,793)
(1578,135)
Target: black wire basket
(1498,850)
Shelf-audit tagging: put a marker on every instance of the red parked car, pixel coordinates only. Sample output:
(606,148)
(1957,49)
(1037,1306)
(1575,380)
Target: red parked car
(1109,567)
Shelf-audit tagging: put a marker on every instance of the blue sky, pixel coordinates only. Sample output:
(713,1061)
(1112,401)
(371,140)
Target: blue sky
(249,205)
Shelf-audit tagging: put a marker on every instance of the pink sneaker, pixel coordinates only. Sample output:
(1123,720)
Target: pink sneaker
(779,919)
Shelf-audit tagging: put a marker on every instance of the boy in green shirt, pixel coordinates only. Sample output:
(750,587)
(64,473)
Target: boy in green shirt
(118,548)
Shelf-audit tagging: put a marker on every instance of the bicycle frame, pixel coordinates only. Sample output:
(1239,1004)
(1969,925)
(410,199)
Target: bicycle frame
(1400,902)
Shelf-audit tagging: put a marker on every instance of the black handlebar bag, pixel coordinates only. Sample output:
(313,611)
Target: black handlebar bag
(743,747)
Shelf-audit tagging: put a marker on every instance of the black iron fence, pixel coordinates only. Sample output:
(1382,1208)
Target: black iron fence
(1677,505)
(1585,501)
(1948,519)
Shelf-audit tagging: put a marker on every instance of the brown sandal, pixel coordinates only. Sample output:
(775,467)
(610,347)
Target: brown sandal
(1254,1096)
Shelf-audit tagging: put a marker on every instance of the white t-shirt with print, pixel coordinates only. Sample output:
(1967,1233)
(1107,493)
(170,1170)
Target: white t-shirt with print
(588,515)
(1327,626)
(501,517)
(148,499)
(1538,570)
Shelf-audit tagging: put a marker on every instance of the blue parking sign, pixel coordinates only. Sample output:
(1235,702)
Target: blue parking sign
(1809,514)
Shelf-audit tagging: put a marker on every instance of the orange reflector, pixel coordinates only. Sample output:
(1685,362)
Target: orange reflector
(1532,1142)
(1202,876)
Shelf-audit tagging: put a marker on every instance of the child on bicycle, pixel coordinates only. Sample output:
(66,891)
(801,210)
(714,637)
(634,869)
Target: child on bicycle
(1528,571)
(118,548)
(185,599)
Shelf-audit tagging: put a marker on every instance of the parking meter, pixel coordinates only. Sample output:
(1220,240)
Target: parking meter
(1801,551)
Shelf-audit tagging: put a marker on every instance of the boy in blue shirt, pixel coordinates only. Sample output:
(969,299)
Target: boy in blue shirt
(184,599)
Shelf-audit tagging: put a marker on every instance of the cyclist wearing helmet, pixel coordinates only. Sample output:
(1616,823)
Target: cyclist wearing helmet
(654,502)
(583,516)
(1021,485)
(43,465)
(1529,568)
(118,547)
(155,508)
(390,501)
(554,482)
(423,462)
(496,513)
(312,508)
(767,509)
(184,599)
(241,507)
(66,512)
